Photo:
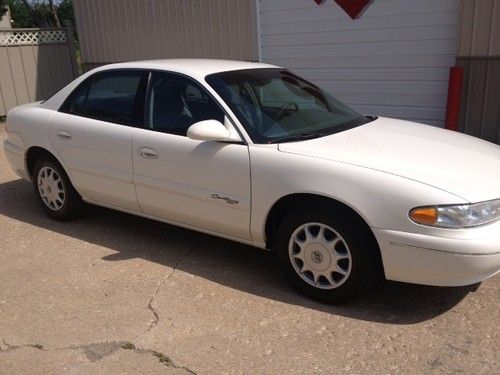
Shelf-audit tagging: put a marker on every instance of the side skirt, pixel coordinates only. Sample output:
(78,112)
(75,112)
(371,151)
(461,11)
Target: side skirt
(182,225)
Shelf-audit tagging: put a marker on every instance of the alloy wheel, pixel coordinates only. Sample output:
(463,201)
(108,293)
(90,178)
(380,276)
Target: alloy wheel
(51,188)
(320,255)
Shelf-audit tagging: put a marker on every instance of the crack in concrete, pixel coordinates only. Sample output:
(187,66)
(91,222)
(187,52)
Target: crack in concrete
(161,357)
(97,351)
(151,308)
(10,347)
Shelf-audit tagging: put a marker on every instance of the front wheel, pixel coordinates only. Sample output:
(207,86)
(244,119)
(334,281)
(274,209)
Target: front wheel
(327,257)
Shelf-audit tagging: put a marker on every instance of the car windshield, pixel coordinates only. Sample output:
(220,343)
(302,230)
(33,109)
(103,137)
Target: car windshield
(275,105)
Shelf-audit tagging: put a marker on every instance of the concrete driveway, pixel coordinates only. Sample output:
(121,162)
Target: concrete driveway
(114,293)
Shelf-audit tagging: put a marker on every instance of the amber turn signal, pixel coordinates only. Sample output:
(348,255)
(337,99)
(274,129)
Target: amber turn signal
(424,215)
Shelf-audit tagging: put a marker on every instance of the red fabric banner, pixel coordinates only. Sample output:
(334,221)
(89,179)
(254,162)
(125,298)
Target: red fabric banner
(354,8)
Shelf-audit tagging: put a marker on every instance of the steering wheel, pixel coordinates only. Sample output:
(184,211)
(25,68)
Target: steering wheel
(283,109)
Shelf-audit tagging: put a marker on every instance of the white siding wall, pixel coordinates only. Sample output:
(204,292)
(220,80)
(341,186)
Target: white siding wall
(393,61)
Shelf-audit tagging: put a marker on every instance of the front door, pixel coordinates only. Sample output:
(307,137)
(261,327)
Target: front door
(197,183)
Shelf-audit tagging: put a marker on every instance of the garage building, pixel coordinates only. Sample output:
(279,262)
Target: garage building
(393,59)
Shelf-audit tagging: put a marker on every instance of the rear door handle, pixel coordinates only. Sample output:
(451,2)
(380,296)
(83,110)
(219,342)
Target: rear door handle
(148,153)
(63,134)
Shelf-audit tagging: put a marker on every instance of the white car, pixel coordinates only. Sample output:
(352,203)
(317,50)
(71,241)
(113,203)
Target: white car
(253,153)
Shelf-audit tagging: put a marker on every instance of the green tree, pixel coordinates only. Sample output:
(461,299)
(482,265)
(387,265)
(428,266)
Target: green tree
(53,11)
(3,8)
(39,13)
(65,11)
(25,14)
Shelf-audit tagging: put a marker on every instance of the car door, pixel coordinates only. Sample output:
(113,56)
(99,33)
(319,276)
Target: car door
(202,184)
(92,132)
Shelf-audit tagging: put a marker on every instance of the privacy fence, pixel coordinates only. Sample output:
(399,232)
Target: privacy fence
(34,64)
(479,56)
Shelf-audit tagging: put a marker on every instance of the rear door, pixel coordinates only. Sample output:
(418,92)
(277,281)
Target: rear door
(92,132)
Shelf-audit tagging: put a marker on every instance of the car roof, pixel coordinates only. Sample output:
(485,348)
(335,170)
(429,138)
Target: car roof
(196,68)
(199,68)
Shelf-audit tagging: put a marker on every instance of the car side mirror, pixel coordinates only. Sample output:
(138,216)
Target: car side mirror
(210,130)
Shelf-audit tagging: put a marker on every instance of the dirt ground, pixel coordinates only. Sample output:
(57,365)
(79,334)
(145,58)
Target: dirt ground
(114,293)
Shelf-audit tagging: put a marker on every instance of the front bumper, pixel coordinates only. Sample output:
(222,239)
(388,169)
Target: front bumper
(464,259)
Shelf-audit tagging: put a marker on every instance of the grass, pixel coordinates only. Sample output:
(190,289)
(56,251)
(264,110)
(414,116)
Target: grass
(161,357)
(128,346)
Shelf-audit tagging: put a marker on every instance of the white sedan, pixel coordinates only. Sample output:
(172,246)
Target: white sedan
(253,153)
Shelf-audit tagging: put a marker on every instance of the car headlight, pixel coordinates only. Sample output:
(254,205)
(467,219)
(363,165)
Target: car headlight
(457,216)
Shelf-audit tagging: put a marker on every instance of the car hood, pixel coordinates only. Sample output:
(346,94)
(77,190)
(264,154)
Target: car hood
(460,164)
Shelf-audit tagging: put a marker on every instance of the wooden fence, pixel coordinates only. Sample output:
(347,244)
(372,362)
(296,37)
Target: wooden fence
(480,114)
(34,64)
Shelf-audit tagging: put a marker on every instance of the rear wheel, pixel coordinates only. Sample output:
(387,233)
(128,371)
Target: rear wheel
(331,258)
(54,192)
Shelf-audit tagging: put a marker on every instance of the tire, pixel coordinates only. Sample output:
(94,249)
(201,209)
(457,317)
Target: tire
(337,245)
(54,192)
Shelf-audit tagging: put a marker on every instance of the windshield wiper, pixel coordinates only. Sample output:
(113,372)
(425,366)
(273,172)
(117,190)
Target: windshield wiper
(339,128)
(296,137)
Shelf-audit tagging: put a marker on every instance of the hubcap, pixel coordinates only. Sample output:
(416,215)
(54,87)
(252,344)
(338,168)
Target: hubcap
(51,188)
(320,255)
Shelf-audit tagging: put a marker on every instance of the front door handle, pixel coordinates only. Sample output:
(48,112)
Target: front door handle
(148,153)
(63,134)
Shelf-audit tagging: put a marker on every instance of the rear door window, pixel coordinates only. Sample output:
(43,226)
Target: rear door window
(113,96)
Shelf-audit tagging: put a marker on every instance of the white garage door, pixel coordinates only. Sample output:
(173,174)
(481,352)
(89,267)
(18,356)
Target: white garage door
(393,61)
